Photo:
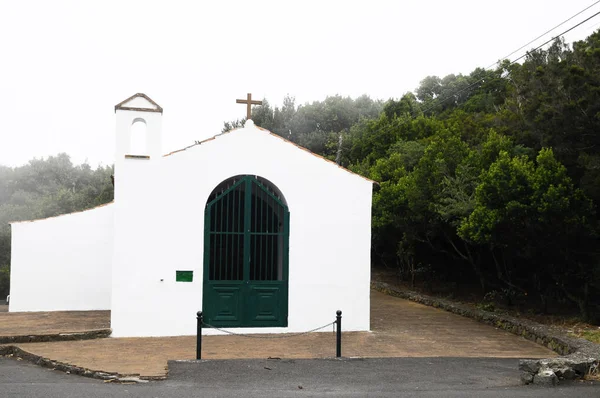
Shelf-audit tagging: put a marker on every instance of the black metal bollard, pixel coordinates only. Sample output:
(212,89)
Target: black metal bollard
(338,343)
(199,336)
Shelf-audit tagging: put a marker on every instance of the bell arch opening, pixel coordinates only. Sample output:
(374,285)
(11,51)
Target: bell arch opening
(138,139)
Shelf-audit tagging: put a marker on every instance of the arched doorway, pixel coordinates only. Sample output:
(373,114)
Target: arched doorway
(246,237)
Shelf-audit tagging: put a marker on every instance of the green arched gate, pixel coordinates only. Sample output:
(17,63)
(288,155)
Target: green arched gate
(246,237)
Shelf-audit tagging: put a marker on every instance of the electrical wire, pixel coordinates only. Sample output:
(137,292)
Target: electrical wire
(545,33)
(441,101)
(555,37)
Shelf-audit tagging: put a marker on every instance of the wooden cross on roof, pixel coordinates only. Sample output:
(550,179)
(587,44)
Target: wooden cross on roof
(249,102)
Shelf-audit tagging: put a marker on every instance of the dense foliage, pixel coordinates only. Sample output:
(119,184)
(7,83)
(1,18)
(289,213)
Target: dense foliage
(45,188)
(320,126)
(490,179)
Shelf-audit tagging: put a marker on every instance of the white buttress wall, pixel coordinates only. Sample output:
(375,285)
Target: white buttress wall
(62,263)
(159,224)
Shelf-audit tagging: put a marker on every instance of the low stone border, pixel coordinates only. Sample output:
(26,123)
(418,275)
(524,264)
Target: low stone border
(579,356)
(14,351)
(66,336)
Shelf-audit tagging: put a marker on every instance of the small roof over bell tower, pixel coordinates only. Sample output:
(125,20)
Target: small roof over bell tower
(139,102)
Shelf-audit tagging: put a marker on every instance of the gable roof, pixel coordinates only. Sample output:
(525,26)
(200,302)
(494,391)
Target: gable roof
(250,123)
(144,104)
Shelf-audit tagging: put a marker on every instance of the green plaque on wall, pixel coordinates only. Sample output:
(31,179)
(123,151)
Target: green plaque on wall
(184,276)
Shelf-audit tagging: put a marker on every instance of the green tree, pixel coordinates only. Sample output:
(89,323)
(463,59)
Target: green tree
(534,221)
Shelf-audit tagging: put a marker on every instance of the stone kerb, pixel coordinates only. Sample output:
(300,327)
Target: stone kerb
(65,336)
(579,356)
(9,350)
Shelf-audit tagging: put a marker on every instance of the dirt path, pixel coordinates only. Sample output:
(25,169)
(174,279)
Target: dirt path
(400,328)
(27,323)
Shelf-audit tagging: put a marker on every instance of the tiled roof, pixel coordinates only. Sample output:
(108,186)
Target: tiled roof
(274,135)
(158,109)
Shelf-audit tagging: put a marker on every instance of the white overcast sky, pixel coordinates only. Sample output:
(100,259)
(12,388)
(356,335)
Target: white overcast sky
(65,64)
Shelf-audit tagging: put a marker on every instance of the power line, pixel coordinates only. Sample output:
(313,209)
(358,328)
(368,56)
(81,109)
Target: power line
(441,101)
(557,36)
(545,33)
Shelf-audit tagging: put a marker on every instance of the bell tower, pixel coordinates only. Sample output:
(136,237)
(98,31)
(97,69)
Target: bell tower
(138,129)
(138,161)
(138,144)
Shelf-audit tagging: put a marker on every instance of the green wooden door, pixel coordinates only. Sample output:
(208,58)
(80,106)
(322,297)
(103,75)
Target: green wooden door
(246,232)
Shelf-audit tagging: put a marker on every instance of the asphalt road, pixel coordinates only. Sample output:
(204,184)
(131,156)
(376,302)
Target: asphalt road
(390,377)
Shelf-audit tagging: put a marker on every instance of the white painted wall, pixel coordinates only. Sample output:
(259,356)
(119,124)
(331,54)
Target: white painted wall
(62,263)
(159,225)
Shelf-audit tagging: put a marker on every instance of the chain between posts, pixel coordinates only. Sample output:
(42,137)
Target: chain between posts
(337,330)
(278,336)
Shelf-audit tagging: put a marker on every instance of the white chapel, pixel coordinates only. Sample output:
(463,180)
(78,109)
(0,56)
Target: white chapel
(260,234)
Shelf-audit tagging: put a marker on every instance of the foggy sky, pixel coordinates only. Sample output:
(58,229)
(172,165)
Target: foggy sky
(65,64)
